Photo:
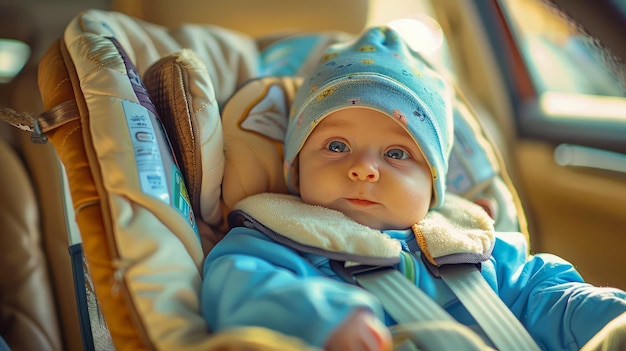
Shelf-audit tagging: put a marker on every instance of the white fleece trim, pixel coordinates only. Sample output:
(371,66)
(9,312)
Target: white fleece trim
(457,227)
(322,227)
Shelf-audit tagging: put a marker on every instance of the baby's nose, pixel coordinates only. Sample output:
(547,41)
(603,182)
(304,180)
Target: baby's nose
(364,169)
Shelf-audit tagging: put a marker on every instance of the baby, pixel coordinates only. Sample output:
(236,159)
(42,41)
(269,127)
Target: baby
(366,154)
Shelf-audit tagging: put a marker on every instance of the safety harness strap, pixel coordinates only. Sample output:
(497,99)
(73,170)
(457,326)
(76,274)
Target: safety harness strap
(403,300)
(37,125)
(489,311)
(406,303)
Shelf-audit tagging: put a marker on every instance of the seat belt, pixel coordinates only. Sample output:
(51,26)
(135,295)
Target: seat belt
(406,303)
(493,316)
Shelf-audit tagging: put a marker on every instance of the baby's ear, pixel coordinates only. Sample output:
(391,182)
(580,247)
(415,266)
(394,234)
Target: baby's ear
(254,121)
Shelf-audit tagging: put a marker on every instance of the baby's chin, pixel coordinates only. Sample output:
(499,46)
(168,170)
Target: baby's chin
(376,223)
(371,218)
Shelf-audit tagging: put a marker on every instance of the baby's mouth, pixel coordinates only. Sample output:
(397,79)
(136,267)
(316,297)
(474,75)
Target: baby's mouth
(361,202)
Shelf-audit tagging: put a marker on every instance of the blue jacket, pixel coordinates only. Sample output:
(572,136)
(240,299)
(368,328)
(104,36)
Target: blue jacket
(251,279)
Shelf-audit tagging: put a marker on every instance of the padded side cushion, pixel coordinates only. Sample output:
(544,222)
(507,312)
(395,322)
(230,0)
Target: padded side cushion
(134,257)
(184,98)
(137,262)
(254,122)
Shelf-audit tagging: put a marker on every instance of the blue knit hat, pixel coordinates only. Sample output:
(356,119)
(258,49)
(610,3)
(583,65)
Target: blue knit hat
(378,71)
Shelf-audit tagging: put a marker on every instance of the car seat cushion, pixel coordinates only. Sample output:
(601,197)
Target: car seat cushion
(184,97)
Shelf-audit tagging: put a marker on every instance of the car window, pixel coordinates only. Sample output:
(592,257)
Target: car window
(572,72)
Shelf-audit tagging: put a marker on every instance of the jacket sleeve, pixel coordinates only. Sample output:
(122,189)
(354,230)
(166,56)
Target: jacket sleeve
(250,280)
(551,299)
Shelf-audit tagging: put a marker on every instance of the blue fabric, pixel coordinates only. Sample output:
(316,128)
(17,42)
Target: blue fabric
(3,345)
(285,57)
(251,280)
(271,285)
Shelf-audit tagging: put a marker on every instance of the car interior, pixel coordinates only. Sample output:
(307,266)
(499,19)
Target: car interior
(543,81)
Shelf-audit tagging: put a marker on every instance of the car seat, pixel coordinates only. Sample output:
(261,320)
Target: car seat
(143,120)
(37,295)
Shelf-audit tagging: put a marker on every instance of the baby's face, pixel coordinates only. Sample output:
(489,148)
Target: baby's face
(363,163)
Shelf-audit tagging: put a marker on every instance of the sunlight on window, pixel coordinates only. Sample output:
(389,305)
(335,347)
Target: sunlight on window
(568,105)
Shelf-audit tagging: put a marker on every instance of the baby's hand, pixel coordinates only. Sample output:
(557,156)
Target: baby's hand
(361,331)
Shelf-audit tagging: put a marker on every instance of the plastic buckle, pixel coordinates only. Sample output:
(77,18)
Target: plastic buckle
(349,273)
(38,137)
(434,270)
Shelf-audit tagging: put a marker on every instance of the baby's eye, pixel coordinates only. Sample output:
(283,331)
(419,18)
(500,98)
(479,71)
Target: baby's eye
(338,146)
(397,154)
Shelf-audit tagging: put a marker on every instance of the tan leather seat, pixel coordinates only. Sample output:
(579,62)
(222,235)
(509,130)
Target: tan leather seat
(37,304)
(37,299)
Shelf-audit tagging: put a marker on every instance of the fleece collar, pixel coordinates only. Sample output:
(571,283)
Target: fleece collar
(457,232)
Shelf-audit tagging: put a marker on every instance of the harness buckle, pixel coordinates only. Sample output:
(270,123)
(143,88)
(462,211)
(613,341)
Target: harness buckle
(348,273)
(37,136)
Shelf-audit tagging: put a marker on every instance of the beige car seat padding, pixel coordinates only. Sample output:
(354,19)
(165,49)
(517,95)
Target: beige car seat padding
(144,258)
(55,84)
